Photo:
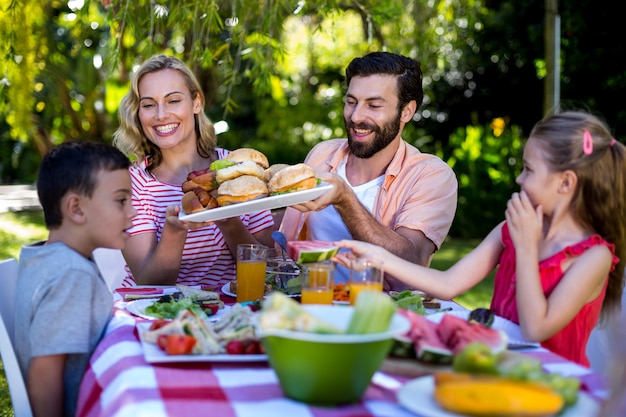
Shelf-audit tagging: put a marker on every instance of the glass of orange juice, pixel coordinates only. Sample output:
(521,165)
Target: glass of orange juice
(317,283)
(251,265)
(366,274)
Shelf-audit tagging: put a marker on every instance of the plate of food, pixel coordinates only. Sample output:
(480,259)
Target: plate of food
(230,289)
(232,338)
(417,396)
(512,330)
(207,304)
(263,203)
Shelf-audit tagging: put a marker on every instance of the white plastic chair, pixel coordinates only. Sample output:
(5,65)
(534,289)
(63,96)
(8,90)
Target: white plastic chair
(111,263)
(17,386)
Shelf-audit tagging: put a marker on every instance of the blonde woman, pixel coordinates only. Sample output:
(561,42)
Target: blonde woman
(164,129)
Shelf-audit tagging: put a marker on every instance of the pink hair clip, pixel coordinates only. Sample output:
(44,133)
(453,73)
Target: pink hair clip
(587,143)
(612,142)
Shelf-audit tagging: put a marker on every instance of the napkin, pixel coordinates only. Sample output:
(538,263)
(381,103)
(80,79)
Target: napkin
(138,291)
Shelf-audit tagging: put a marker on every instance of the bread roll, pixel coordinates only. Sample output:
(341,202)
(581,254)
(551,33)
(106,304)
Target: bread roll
(204,179)
(239,169)
(273,169)
(293,178)
(248,154)
(197,200)
(240,189)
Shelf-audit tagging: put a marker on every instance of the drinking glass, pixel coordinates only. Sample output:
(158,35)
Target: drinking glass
(366,274)
(317,283)
(251,265)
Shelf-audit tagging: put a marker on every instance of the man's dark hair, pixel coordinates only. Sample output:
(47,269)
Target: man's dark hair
(406,69)
(73,166)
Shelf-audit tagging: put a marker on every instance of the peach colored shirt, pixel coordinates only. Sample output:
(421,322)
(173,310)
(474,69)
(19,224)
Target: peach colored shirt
(419,191)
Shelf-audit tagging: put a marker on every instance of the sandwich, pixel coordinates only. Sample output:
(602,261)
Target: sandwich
(248,154)
(242,161)
(241,189)
(293,178)
(197,200)
(273,169)
(204,179)
(236,170)
(207,300)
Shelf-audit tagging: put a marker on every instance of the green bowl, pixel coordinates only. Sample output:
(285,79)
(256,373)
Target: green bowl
(328,369)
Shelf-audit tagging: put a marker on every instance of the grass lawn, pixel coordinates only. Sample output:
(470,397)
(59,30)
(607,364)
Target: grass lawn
(17,229)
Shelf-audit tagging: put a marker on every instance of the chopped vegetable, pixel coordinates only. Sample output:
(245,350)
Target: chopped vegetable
(179,344)
(373,312)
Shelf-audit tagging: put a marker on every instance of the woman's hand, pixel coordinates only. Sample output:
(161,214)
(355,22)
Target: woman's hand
(171,218)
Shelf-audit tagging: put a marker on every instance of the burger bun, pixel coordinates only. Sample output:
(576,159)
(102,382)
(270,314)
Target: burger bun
(241,189)
(244,168)
(292,178)
(248,154)
(273,169)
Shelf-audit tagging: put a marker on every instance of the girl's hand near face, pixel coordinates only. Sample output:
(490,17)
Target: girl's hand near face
(524,221)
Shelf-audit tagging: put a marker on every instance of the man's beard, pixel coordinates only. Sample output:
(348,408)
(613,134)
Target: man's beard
(382,137)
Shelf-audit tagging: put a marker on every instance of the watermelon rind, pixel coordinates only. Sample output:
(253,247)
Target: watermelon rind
(431,354)
(317,255)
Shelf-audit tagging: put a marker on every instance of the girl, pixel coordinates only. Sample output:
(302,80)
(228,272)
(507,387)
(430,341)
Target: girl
(164,128)
(556,251)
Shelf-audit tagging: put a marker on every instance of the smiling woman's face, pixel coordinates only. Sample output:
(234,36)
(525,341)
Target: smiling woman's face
(166,108)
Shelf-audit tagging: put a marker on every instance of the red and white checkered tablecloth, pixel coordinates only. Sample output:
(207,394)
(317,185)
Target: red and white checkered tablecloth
(119,382)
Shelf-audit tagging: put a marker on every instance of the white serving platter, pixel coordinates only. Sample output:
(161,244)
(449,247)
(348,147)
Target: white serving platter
(265,203)
(153,354)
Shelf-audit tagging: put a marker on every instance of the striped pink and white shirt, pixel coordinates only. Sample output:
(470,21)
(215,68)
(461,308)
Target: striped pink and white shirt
(206,259)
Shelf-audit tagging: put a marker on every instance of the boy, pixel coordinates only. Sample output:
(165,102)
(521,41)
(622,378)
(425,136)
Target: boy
(63,304)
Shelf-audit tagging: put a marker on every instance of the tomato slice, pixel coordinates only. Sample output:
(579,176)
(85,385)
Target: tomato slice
(179,344)
(235,347)
(158,323)
(162,341)
(210,309)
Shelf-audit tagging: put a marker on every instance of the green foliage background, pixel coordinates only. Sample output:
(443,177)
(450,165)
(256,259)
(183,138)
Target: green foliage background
(273,71)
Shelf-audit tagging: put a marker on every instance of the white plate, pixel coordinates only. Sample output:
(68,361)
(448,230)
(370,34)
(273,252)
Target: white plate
(138,308)
(153,354)
(266,203)
(226,290)
(512,330)
(417,396)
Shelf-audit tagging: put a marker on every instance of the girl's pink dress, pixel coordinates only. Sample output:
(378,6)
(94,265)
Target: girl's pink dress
(571,341)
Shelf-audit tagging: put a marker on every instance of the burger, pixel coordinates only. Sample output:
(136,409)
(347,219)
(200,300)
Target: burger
(236,170)
(241,189)
(242,161)
(293,178)
(248,154)
(273,169)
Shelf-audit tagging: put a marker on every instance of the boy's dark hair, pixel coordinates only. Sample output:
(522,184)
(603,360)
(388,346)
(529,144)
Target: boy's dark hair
(406,69)
(73,166)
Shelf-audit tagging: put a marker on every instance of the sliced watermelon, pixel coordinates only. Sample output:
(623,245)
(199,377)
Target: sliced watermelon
(423,334)
(456,333)
(308,251)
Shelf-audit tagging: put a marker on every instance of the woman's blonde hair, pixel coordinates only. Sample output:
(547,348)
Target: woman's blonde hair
(130,138)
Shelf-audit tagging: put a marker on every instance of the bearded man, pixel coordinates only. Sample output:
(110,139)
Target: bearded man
(386,191)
